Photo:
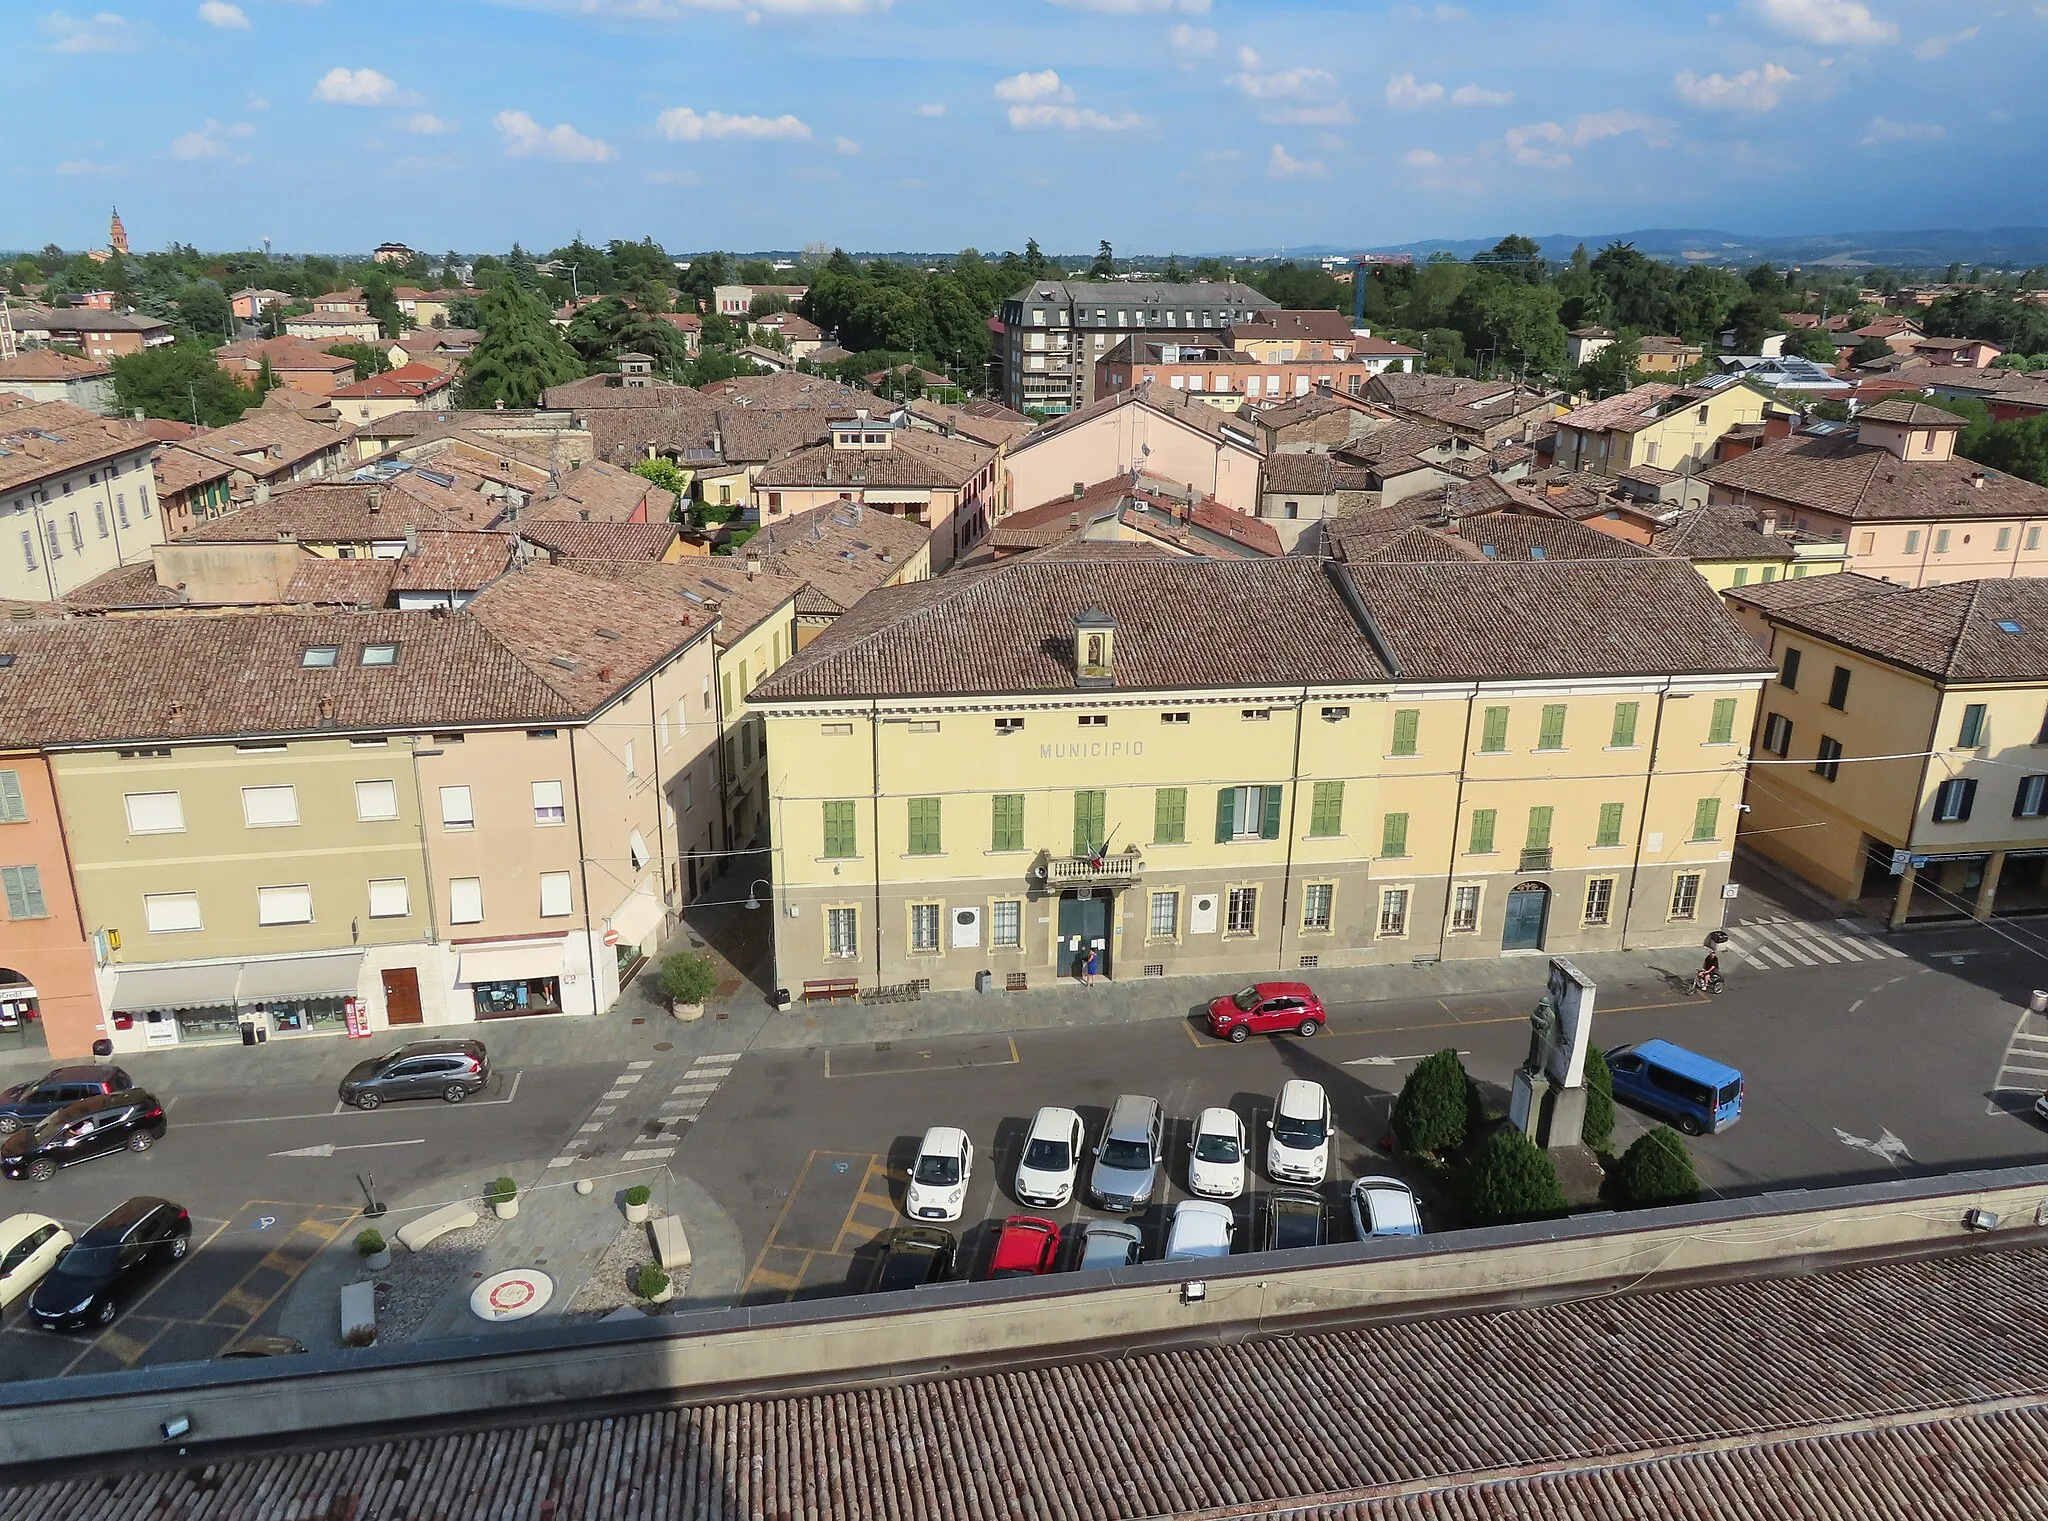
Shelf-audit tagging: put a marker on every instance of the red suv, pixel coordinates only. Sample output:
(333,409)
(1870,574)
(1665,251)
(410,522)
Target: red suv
(1266,1008)
(1026,1248)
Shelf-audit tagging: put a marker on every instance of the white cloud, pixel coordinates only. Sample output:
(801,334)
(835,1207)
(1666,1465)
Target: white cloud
(527,138)
(259,102)
(427,124)
(680,124)
(1043,85)
(1934,47)
(1545,144)
(210,139)
(355,87)
(675,10)
(1281,165)
(1603,124)
(1280,84)
(1335,114)
(103,32)
(1070,119)
(1476,95)
(1407,93)
(674,177)
(1441,13)
(932,108)
(1751,90)
(1883,129)
(1536,145)
(1421,158)
(228,18)
(845,145)
(1191,42)
(86,166)
(1136,7)
(1830,23)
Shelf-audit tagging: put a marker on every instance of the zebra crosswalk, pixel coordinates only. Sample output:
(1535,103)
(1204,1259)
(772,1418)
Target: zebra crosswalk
(1776,943)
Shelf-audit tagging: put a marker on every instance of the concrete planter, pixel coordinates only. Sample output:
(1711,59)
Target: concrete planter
(376,1262)
(668,1292)
(687,1012)
(505,1209)
(636,1214)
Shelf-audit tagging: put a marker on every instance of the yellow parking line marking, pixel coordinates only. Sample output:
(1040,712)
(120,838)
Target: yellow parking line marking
(242,1302)
(767,1278)
(126,1348)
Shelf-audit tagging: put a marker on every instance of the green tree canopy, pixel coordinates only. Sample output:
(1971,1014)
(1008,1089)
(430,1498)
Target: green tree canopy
(1104,267)
(1869,349)
(1657,1169)
(383,305)
(368,358)
(1598,1129)
(1510,1180)
(177,381)
(1431,1112)
(520,353)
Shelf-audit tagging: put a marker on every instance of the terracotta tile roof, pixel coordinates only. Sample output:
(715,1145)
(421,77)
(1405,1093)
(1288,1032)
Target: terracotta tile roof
(598,492)
(703,586)
(284,354)
(1183,624)
(322,512)
(1951,633)
(125,586)
(1912,414)
(840,554)
(1539,618)
(1862,482)
(51,364)
(1198,526)
(1223,427)
(1329,326)
(1726,533)
(601,541)
(247,445)
(180,469)
(1503,536)
(407,381)
(1637,405)
(755,435)
(788,389)
(1457,402)
(595,393)
(913,459)
(1316,474)
(993,431)
(346,583)
(451,560)
(48,438)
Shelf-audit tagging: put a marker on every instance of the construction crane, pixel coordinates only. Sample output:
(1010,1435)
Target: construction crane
(1362,268)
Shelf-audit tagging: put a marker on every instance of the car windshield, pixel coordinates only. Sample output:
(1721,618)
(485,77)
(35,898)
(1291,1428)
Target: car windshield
(1247,1000)
(1046,1155)
(1212,1146)
(89,1261)
(1729,1094)
(1126,1154)
(1295,1227)
(1300,1131)
(937,1171)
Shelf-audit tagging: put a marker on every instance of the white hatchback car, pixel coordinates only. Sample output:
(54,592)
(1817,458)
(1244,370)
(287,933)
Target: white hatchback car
(1298,1148)
(1216,1155)
(1200,1229)
(1382,1206)
(939,1176)
(1051,1159)
(29,1247)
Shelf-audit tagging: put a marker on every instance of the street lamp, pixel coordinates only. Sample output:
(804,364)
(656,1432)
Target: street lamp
(752,900)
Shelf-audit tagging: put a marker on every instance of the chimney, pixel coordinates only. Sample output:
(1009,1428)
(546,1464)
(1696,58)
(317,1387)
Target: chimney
(1769,523)
(326,711)
(1979,480)
(1080,490)
(753,566)
(374,498)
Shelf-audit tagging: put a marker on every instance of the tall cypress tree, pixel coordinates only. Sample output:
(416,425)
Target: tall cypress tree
(520,353)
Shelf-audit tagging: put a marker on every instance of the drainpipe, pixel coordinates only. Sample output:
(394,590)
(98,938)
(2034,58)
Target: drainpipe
(1293,803)
(660,788)
(583,871)
(419,802)
(875,825)
(1635,871)
(1443,934)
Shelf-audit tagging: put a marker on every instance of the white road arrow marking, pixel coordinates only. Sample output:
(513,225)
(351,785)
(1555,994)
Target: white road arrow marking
(328,1149)
(1887,1146)
(1388,1061)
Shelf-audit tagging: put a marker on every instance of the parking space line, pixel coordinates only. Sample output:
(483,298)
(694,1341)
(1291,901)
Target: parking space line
(648,1154)
(638,1066)
(722,1056)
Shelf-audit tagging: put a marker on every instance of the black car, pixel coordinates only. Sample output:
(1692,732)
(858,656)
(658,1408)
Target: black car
(25,1103)
(127,1121)
(913,1256)
(1294,1217)
(109,1262)
(442,1069)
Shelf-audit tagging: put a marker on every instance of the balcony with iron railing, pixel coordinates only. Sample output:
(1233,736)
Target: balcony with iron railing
(1119,870)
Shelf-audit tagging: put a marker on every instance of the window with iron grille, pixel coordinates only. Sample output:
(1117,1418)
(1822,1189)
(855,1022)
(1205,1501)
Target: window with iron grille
(1465,909)
(924,927)
(1006,923)
(842,936)
(1394,911)
(1685,895)
(1164,923)
(1599,900)
(1316,900)
(1241,916)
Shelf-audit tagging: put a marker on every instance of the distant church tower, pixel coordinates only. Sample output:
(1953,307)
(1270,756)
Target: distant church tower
(117,235)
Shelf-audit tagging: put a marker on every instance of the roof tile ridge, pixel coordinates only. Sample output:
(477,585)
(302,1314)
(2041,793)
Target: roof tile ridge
(1955,649)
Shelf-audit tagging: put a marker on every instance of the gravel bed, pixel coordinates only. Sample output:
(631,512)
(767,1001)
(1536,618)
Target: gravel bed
(409,1289)
(610,1284)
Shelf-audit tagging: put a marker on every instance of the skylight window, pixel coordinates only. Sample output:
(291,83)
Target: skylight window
(1535,551)
(320,655)
(380,654)
(2009,626)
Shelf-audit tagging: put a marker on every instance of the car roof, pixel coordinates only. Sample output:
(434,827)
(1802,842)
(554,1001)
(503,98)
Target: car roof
(16,1228)
(1299,1095)
(1202,1119)
(1053,1121)
(942,1138)
(1123,1230)
(1197,1223)
(440,1048)
(1701,1069)
(1134,1110)
(95,1072)
(1391,1201)
(1283,990)
(120,1098)
(123,1217)
(917,1238)
(1022,1240)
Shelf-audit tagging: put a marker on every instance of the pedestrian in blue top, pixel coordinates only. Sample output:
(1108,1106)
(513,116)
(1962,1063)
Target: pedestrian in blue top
(1088,970)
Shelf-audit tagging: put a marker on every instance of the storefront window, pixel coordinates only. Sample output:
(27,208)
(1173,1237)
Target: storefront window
(537,995)
(212,1022)
(303,1016)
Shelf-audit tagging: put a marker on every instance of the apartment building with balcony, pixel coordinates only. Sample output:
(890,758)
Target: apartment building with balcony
(1050,334)
(77,499)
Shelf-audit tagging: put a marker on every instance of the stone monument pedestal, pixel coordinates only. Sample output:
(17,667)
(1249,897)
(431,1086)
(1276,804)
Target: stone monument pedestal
(1548,1114)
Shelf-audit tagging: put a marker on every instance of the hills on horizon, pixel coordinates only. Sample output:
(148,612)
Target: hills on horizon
(1999,247)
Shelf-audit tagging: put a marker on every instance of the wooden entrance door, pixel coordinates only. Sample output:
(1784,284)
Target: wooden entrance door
(402,996)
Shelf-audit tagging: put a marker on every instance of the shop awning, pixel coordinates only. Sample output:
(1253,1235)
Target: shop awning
(176,987)
(331,976)
(637,917)
(511,963)
(897,495)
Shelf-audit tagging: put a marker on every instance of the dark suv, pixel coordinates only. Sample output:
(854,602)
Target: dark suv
(107,1263)
(127,1121)
(25,1103)
(442,1069)
(914,1256)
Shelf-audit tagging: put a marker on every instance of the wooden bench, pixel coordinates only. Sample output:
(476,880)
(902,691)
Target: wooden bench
(434,1224)
(831,989)
(358,1308)
(671,1246)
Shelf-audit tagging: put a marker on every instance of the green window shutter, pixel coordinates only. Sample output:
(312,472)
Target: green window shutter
(729,704)
(1610,824)
(1972,734)
(924,826)
(1723,730)
(1088,812)
(1226,815)
(1482,830)
(839,841)
(1706,818)
(1326,813)
(1552,737)
(1170,816)
(1006,830)
(1269,826)
(1625,724)
(1495,738)
(1406,722)
(12,809)
(24,892)
(1539,828)
(1394,835)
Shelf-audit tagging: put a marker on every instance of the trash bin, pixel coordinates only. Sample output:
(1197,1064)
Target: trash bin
(248,1032)
(2038,1004)
(102,1047)
(781,999)
(984,982)
(262,1035)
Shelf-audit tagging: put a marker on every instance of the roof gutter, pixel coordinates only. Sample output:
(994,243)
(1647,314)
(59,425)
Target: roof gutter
(1356,603)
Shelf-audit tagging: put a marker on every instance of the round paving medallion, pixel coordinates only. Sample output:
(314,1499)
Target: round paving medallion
(511,1295)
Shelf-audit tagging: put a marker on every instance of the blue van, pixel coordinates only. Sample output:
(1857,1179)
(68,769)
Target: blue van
(1694,1092)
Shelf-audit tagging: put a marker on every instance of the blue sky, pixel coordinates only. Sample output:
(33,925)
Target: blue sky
(1189,125)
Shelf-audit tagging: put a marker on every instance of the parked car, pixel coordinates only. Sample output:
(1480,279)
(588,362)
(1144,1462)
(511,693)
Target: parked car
(443,1069)
(1025,1248)
(25,1103)
(1110,1244)
(29,1246)
(1216,1155)
(1127,1162)
(939,1176)
(1384,1207)
(1051,1159)
(1298,1146)
(1200,1229)
(914,1256)
(126,1121)
(1294,1217)
(106,1265)
(1267,1008)
(1696,1093)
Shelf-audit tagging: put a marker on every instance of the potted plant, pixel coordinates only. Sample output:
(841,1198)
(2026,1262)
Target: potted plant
(360,1336)
(503,1198)
(636,1203)
(687,979)
(372,1248)
(652,1284)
